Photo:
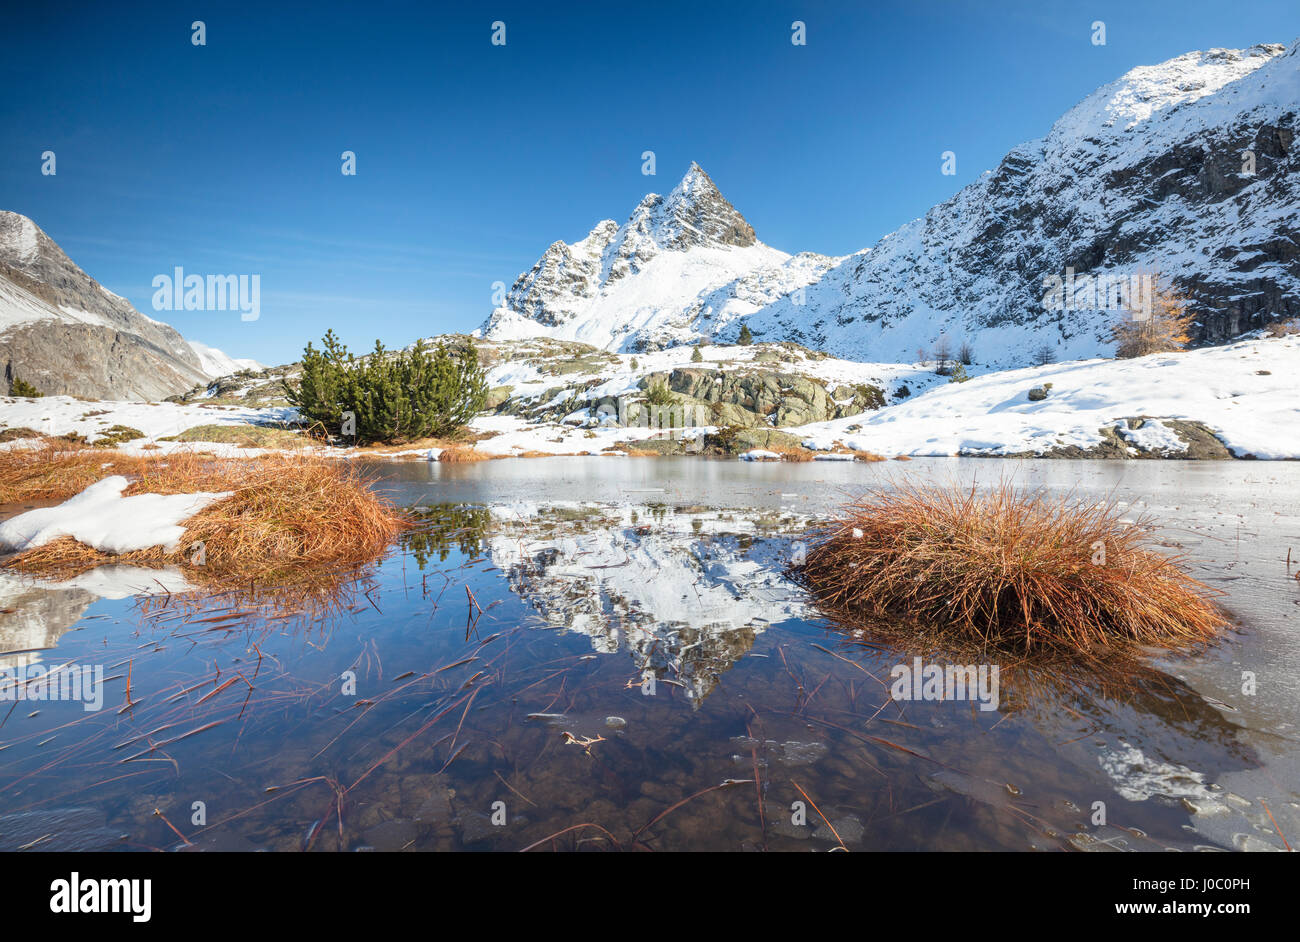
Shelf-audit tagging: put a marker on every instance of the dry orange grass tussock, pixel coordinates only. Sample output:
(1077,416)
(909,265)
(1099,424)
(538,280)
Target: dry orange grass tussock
(1013,568)
(462,454)
(285,511)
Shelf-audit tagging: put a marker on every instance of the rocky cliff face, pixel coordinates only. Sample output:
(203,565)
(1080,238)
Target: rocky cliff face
(1188,167)
(64,333)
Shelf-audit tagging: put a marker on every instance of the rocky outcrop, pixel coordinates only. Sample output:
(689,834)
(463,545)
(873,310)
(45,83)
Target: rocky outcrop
(1195,442)
(767,392)
(93,362)
(755,397)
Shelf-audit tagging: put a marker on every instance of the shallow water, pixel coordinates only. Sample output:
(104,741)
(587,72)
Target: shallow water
(602,653)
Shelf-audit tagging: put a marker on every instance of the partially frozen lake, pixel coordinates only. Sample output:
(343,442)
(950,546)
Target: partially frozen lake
(590,653)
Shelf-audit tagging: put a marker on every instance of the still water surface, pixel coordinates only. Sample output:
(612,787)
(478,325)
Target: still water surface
(597,653)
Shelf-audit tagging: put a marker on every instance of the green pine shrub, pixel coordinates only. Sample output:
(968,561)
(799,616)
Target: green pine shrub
(20,387)
(394,396)
(660,395)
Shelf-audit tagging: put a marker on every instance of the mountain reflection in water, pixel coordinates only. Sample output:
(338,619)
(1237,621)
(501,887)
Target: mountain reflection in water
(618,676)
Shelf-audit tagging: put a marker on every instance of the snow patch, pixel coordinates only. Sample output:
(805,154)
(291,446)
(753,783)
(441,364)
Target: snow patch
(1138,777)
(100,517)
(1244,394)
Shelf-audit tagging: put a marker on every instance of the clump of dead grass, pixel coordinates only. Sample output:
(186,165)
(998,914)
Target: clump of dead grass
(286,513)
(56,469)
(18,432)
(462,454)
(1013,568)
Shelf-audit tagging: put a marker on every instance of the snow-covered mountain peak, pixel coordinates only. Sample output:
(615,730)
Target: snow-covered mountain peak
(696,212)
(1187,167)
(216,363)
(1148,90)
(642,284)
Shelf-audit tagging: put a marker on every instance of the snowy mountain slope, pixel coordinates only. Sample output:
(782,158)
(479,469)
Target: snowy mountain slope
(1235,400)
(215,363)
(1144,173)
(681,267)
(1151,171)
(65,333)
(157,422)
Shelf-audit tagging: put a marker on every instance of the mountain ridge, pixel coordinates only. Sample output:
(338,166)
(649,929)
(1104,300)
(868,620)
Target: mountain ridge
(1147,172)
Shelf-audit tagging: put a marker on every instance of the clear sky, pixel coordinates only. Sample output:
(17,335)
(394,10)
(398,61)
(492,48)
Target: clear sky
(472,158)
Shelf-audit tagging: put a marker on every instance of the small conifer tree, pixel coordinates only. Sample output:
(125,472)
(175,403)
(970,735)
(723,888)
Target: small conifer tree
(20,387)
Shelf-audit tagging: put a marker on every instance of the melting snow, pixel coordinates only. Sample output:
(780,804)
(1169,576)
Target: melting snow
(102,518)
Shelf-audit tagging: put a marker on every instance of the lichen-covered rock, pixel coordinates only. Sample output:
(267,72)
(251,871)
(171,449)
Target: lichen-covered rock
(752,397)
(496,397)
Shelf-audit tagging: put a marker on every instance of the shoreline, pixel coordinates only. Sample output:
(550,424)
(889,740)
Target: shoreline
(466,452)
(1213,403)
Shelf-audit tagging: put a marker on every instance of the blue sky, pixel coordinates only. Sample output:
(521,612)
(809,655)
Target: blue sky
(473,158)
